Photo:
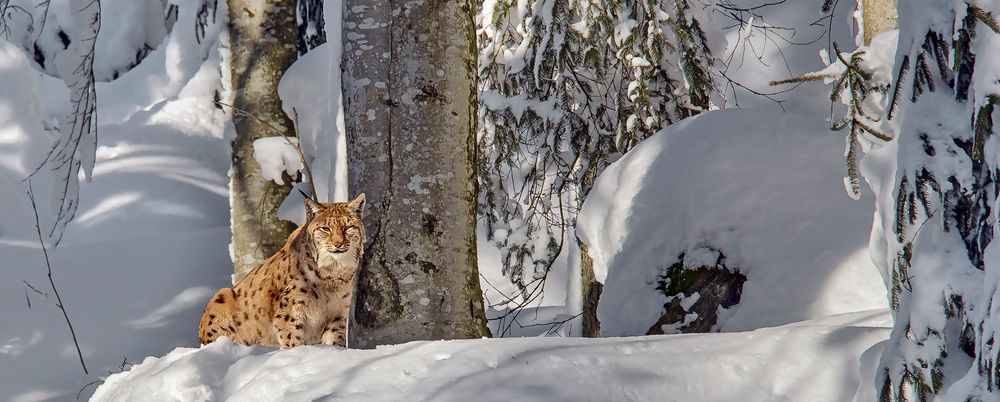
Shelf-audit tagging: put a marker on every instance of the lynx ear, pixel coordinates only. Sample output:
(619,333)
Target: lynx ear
(358,205)
(313,208)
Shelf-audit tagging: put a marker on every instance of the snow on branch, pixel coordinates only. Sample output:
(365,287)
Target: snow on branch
(275,153)
(77,144)
(277,156)
(854,83)
(567,87)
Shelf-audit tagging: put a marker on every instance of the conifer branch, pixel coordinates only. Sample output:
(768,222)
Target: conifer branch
(894,100)
(856,81)
(986,17)
(800,79)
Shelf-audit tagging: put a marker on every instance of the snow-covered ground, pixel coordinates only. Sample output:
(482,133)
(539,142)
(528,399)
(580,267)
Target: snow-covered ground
(809,361)
(140,297)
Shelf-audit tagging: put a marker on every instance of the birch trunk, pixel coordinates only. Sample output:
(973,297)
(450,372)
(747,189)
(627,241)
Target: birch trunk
(262,45)
(879,16)
(410,111)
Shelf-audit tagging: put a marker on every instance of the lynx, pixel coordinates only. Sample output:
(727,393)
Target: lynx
(300,295)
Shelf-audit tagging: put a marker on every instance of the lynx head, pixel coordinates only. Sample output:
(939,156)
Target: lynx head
(336,231)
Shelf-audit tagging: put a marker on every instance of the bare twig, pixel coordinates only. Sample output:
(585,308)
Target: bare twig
(33,289)
(7,12)
(298,148)
(295,144)
(80,392)
(45,16)
(553,325)
(48,264)
(123,367)
(77,144)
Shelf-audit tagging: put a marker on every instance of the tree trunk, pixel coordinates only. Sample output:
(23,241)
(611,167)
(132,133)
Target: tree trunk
(410,111)
(591,293)
(879,16)
(262,45)
(590,288)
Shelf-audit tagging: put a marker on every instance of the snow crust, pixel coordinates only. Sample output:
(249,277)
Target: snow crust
(763,187)
(773,364)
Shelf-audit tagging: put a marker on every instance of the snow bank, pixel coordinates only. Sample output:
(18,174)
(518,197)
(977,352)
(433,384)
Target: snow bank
(764,188)
(814,361)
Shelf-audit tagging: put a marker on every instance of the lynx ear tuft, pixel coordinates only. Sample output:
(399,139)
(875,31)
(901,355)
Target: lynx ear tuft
(313,208)
(358,205)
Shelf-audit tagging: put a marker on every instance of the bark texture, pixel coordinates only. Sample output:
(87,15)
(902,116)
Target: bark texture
(262,45)
(591,291)
(879,16)
(410,111)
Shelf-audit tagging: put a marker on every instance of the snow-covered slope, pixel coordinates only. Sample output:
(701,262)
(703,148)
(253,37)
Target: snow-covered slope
(809,361)
(148,247)
(149,242)
(763,187)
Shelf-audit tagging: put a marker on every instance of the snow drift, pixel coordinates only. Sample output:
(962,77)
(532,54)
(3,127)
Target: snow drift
(763,187)
(810,361)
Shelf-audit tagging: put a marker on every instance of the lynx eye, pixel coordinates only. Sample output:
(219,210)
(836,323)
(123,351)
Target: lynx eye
(351,229)
(324,230)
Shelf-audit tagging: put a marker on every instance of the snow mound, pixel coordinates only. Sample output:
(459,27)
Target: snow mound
(815,361)
(277,155)
(764,188)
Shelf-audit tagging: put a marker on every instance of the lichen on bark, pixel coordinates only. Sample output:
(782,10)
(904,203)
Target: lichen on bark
(409,82)
(261,36)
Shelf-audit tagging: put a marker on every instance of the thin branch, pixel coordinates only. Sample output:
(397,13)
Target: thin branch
(69,154)
(48,264)
(45,16)
(280,131)
(33,289)
(298,149)
(121,369)
(80,392)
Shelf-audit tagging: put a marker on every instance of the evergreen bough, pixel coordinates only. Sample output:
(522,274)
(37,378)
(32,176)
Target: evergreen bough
(566,91)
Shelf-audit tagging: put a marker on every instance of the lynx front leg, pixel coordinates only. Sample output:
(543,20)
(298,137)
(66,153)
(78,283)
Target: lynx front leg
(289,323)
(335,332)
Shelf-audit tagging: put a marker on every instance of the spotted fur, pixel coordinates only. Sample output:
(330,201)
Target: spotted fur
(302,294)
